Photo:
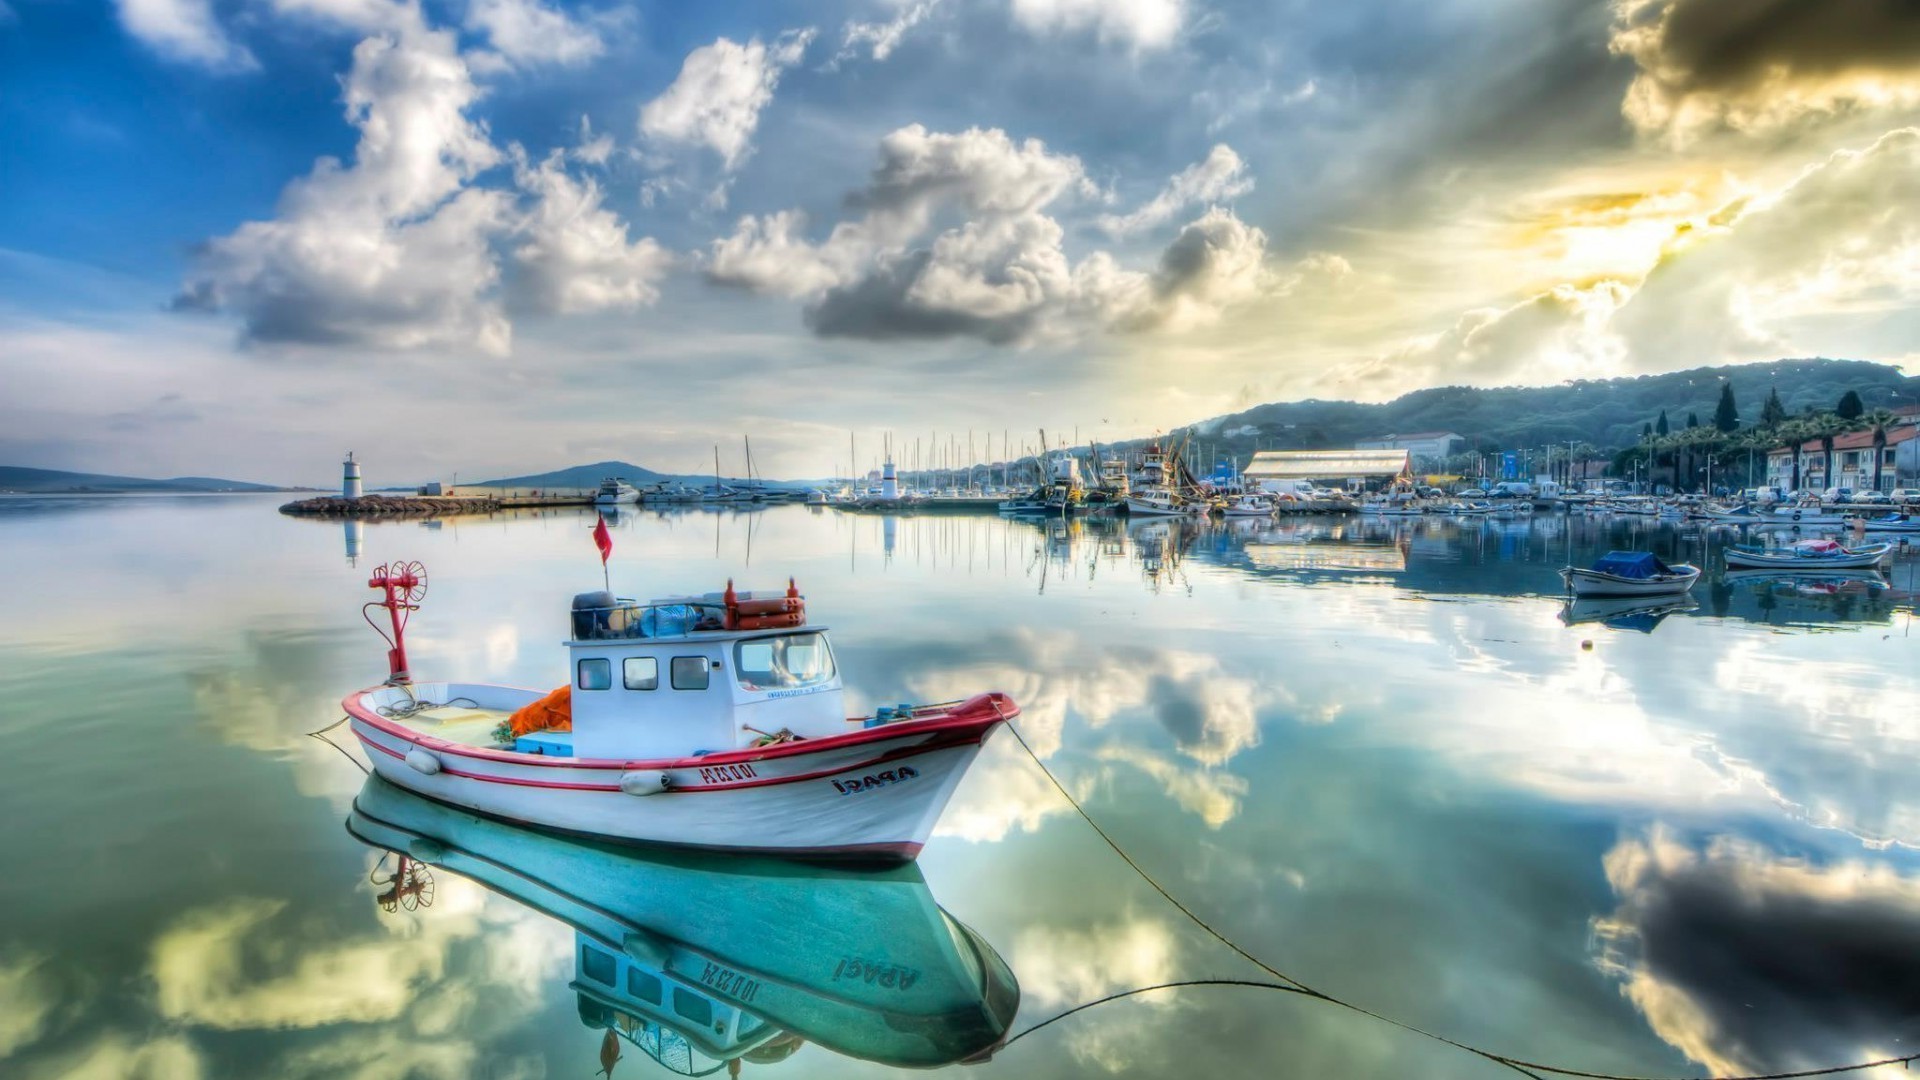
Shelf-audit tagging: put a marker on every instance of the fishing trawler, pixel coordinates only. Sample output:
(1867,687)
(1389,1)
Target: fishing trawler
(711,721)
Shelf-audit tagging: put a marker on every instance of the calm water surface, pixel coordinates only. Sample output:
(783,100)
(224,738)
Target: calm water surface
(1382,756)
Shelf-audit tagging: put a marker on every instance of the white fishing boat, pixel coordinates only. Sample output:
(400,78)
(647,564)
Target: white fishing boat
(615,491)
(1889,523)
(1155,501)
(1249,505)
(1801,516)
(1629,573)
(711,721)
(1809,555)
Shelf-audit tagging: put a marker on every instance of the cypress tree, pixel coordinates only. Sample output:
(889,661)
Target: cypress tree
(1850,407)
(1660,426)
(1726,416)
(1693,420)
(1773,413)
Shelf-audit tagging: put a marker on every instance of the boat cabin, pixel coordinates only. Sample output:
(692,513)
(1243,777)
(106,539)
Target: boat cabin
(685,1026)
(688,675)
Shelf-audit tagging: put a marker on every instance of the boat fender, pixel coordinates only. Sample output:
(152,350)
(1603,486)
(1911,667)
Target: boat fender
(644,783)
(423,762)
(647,947)
(427,850)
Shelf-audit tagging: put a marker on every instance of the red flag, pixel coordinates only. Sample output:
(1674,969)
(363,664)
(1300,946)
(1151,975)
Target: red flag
(602,539)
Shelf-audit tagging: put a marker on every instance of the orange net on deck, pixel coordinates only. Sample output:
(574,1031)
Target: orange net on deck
(551,713)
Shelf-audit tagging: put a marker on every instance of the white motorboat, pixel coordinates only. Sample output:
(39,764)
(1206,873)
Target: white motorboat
(615,491)
(1629,573)
(1889,523)
(1809,555)
(1155,501)
(1251,505)
(711,721)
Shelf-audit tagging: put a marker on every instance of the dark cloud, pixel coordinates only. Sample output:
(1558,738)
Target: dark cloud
(880,307)
(1740,44)
(1754,64)
(1751,962)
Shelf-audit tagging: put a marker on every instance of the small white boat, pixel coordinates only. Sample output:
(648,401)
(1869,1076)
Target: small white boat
(1252,505)
(1155,501)
(615,491)
(710,721)
(1809,555)
(1629,573)
(1890,523)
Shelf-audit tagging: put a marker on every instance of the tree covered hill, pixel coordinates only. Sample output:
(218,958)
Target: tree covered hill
(1603,412)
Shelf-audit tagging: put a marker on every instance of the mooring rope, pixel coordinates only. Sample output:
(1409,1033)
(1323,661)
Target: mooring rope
(1292,985)
(322,736)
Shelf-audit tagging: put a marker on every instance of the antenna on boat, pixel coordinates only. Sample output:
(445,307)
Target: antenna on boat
(405,585)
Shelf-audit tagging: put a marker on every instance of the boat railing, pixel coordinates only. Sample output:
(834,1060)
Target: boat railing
(632,620)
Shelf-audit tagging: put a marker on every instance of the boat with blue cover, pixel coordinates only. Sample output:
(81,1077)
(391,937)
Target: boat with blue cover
(1630,573)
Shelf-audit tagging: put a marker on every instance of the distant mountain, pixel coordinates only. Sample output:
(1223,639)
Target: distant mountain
(1604,412)
(14,478)
(589,476)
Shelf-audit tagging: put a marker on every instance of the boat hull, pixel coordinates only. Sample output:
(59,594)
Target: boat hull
(1859,559)
(873,795)
(1593,583)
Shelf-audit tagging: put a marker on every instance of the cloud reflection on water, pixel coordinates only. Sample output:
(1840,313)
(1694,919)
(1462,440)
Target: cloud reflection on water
(1748,960)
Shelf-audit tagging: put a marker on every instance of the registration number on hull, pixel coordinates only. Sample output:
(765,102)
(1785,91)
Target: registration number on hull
(876,780)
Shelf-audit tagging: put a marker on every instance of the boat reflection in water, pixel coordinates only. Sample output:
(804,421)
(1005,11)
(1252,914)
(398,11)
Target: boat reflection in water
(1640,613)
(703,961)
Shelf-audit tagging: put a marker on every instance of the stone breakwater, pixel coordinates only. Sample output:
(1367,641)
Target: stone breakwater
(393,506)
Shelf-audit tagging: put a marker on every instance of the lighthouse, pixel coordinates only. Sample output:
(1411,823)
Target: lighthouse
(889,481)
(350,478)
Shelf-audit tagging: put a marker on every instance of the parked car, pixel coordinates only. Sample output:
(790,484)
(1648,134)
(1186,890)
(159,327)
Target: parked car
(1905,495)
(1874,498)
(1473,493)
(1837,495)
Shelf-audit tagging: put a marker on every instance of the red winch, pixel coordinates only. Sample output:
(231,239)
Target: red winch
(405,585)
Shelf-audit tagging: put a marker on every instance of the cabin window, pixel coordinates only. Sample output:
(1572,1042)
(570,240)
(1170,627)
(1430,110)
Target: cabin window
(640,673)
(643,986)
(596,674)
(596,965)
(790,661)
(688,672)
(692,1006)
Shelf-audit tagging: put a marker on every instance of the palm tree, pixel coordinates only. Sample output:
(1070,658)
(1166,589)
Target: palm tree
(1826,427)
(1794,433)
(1879,420)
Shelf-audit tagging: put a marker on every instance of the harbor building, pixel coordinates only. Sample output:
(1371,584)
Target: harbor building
(1436,446)
(1278,469)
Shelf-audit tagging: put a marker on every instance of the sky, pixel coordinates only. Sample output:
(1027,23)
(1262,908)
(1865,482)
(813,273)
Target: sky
(487,237)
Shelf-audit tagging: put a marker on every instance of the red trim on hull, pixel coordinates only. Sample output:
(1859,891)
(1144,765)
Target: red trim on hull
(915,750)
(977,714)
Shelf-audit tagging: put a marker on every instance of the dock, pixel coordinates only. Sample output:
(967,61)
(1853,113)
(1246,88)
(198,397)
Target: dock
(386,506)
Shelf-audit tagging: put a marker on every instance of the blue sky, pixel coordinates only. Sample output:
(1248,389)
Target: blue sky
(502,235)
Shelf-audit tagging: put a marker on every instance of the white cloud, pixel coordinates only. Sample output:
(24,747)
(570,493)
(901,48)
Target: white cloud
(1564,331)
(1138,24)
(117,1057)
(881,38)
(399,249)
(26,1001)
(183,31)
(1843,237)
(576,256)
(1220,177)
(392,250)
(1003,275)
(527,32)
(717,98)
